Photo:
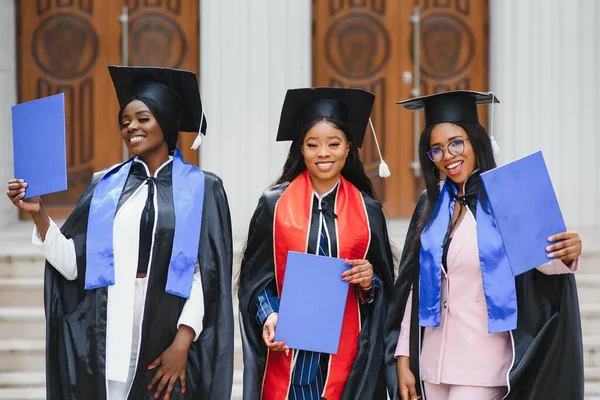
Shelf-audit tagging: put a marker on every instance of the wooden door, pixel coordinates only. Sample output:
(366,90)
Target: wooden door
(368,44)
(165,33)
(66,46)
(62,47)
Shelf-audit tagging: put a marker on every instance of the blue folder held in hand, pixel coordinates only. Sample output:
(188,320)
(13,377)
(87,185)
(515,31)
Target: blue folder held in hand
(312,304)
(526,210)
(39,145)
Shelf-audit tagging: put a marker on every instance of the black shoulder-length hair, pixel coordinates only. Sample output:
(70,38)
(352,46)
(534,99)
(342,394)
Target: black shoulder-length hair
(353,170)
(167,121)
(482,147)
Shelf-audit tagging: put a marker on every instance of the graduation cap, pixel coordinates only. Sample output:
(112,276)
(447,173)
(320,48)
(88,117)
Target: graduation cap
(176,90)
(453,106)
(350,106)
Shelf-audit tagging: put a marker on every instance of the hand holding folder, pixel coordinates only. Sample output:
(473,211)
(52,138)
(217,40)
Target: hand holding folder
(311,310)
(526,210)
(17,189)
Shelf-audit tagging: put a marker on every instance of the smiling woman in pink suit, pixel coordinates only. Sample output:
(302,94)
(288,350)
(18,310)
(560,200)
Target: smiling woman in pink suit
(460,326)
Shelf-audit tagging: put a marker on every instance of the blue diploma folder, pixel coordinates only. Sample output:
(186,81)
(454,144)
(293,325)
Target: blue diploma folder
(526,209)
(313,299)
(39,145)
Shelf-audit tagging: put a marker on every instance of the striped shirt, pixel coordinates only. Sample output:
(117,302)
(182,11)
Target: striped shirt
(310,368)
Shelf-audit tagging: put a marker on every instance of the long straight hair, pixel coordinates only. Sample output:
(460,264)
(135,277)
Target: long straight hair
(353,170)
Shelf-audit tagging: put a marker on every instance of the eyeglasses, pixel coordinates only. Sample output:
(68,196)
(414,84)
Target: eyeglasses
(455,148)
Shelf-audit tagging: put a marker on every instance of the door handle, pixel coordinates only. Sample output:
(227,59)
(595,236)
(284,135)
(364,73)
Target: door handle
(415,19)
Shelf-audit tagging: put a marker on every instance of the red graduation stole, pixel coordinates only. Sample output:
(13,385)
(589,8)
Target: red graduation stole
(291,230)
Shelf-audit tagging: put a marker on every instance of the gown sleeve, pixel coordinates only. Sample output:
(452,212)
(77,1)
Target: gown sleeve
(58,251)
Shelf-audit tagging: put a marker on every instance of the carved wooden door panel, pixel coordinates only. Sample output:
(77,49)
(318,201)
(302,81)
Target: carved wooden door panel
(368,44)
(454,51)
(66,46)
(165,33)
(454,45)
(61,49)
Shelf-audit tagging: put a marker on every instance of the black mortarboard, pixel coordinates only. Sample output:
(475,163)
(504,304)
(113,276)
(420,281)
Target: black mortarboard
(454,106)
(175,89)
(303,106)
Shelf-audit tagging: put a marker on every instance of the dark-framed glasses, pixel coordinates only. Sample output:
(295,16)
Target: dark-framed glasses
(455,148)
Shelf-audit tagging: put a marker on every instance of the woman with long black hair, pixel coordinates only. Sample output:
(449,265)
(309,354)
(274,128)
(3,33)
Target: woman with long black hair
(460,326)
(323,204)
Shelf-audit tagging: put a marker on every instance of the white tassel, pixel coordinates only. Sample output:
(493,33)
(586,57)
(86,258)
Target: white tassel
(495,147)
(384,170)
(197,141)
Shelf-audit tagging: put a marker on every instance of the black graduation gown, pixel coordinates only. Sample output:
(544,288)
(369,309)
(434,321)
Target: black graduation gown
(76,318)
(366,379)
(548,348)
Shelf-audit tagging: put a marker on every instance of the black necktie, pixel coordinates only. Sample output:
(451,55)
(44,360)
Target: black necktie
(146,229)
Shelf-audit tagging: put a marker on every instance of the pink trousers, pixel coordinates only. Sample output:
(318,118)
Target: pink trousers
(458,392)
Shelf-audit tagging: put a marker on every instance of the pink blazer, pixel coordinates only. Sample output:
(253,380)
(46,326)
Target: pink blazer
(461,351)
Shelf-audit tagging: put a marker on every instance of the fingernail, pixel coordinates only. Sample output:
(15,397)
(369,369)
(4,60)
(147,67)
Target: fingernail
(149,387)
(167,397)
(156,396)
(183,391)
(548,248)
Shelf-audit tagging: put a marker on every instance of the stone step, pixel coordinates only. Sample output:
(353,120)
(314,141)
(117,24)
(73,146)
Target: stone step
(15,267)
(592,374)
(590,318)
(22,393)
(22,292)
(22,323)
(591,348)
(588,261)
(588,287)
(22,385)
(592,391)
(22,379)
(22,355)
(18,257)
(236,390)
(20,260)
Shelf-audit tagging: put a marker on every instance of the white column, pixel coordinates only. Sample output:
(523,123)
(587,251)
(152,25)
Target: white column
(544,63)
(250,54)
(8,97)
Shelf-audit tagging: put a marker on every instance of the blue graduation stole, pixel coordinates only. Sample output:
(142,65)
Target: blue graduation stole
(498,281)
(188,199)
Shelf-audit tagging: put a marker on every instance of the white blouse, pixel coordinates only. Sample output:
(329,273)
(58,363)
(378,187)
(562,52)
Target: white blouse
(60,253)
